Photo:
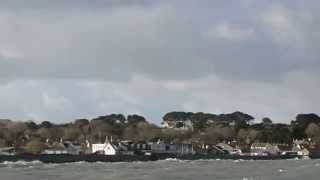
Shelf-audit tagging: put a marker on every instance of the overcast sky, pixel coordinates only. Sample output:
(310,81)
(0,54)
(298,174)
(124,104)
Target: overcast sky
(61,60)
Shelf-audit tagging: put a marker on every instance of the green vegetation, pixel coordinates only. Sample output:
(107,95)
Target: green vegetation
(206,129)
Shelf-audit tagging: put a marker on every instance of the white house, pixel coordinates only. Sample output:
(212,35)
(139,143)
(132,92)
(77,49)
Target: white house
(264,149)
(107,148)
(299,147)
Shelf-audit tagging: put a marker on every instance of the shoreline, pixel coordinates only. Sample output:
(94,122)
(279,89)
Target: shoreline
(91,158)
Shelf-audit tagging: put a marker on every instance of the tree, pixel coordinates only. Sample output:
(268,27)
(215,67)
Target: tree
(243,135)
(46,124)
(53,133)
(147,132)
(210,136)
(81,122)
(266,121)
(110,119)
(177,116)
(16,132)
(31,125)
(226,133)
(241,119)
(312,130)
(200,120)
(34,146)
(307,118)
(252,136)
(99,130)
(303,120)
(72,133)
(3,143)
(135,119)
(281,133)
(301,123)
(169,135)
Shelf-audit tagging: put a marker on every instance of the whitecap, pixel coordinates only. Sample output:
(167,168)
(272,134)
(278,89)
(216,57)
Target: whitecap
(171,159)
(246,178)
(282,170)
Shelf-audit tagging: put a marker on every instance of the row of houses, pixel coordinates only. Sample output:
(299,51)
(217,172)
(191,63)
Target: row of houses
(110,147)
(66,147)
(130,148)
(300,148)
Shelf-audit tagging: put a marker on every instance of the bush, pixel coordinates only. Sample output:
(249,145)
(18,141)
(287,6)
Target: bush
(34,147)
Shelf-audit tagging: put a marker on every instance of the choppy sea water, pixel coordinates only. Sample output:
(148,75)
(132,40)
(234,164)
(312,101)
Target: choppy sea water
(164,170)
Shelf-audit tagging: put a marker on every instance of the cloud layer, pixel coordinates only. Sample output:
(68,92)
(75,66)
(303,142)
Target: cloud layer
(63,60)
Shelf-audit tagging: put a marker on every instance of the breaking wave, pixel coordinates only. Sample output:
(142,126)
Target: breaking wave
(20,164)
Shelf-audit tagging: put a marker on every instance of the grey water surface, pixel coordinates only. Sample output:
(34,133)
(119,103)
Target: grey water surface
(164,170)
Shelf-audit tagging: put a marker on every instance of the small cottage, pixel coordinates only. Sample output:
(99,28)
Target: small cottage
(55,148)
(63,148)
(264,149)
(106,148)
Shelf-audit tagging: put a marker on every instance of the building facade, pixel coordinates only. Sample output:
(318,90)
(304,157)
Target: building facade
(106,148)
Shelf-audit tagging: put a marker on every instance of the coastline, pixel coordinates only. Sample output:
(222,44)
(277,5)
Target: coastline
(66,158)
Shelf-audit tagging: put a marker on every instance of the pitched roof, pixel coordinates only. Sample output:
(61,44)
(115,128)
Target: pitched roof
(225,146)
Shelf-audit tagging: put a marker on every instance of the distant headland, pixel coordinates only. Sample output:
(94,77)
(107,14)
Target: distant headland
(181,133)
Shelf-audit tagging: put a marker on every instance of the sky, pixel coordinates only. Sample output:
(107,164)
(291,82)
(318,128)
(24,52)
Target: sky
(62,60)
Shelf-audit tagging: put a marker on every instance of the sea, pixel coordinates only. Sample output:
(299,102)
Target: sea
(170,169)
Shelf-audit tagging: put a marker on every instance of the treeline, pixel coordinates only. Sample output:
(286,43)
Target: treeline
(207,129)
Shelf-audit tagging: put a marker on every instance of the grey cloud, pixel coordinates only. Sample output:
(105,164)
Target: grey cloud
(113,42)
(101,45)
(70,4)
(161,41)
(65,100)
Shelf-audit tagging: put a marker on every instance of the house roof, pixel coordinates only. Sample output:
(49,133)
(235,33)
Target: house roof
(225,146)
(113,145)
